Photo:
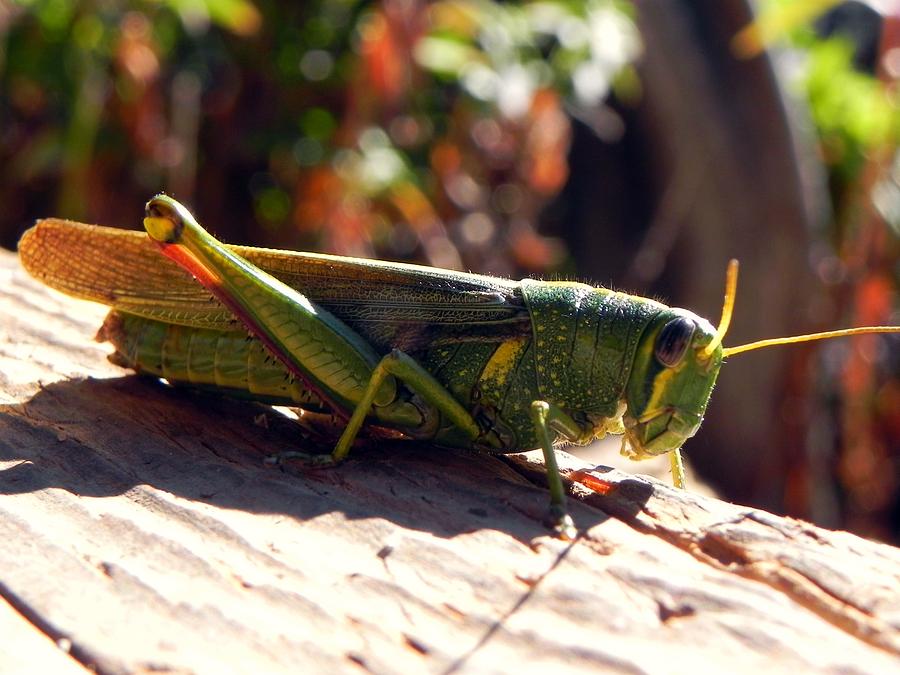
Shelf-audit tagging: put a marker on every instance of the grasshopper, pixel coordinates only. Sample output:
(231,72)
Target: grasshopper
(461,360)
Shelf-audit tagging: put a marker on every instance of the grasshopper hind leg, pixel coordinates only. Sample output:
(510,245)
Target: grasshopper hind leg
(316,429)
(304,459)
(401,366)
(308,460)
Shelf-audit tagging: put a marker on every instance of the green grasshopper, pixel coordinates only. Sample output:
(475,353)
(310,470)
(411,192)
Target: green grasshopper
(460,360)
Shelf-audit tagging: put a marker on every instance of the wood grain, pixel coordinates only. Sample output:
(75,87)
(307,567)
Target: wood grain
(142,531)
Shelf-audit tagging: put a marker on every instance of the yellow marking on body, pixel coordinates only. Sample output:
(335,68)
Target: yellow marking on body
(660,383)
(504,360)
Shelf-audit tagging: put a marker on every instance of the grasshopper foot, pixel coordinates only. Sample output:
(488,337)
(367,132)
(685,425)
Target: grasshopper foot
(302,459)
(561,523)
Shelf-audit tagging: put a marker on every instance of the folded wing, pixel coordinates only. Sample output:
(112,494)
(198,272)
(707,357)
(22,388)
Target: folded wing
(391,304)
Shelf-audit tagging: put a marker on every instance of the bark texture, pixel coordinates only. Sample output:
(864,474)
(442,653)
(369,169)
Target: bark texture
(142,531)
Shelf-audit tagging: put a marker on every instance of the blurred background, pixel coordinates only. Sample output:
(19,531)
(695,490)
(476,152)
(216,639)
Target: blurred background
(637,145)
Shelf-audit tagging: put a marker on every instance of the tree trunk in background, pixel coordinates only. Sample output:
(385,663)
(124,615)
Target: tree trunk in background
(708,170)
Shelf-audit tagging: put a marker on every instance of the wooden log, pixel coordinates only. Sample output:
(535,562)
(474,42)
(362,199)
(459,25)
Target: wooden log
(142,530)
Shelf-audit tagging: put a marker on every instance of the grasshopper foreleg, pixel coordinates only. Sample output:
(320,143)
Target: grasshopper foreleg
(544,416)
(677,465)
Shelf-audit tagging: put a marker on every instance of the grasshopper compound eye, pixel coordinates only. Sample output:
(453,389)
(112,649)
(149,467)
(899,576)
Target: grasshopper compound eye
(673,340)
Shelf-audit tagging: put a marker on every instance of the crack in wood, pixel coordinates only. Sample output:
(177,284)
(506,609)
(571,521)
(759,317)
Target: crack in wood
(459,663)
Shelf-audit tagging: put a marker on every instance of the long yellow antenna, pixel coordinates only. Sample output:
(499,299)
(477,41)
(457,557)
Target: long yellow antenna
(759,344)
(731,277)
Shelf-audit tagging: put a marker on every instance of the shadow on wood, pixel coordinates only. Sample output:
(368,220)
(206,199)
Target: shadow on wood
(102,438)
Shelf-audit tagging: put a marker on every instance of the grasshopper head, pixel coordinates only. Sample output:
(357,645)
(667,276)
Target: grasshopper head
(675,368)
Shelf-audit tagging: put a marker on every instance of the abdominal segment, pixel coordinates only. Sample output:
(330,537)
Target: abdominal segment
(229,361)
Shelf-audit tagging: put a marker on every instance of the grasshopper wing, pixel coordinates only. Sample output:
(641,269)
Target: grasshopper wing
(391,304)
(119,268)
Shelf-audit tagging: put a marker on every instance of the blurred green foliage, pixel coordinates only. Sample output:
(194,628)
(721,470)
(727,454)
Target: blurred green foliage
(856,111)
(853,112)
(847,70)
(401,129)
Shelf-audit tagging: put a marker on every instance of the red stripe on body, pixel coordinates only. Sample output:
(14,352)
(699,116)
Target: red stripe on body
(214,284)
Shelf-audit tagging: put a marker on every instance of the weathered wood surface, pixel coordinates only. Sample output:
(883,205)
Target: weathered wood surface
(141,531)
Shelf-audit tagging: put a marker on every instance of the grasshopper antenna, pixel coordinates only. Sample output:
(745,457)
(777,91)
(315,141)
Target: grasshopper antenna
(731,277)
(730,291)
(759,344)
(728,307)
